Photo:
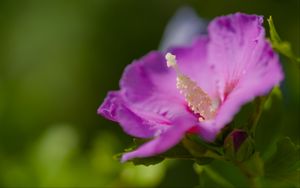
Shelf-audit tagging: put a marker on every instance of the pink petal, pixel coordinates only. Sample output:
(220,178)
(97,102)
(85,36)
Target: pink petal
(115,109)
(163,142)
(192,61)
(244,63)
(148,100)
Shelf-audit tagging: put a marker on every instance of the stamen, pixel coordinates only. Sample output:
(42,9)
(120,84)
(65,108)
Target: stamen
(171,60)
(198,101)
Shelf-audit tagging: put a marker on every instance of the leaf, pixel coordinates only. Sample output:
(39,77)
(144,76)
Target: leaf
(147,161)
(282,47)
(283,167)
(202,153)
(177,152)
(187,149)
(210,146)
(273,33)
(254,167)
(217,178)
(203,160)
(140,161)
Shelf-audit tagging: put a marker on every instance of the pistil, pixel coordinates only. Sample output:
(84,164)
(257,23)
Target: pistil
(198,101)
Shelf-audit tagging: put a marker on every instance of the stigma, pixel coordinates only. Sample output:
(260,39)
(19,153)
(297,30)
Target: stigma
(198,101)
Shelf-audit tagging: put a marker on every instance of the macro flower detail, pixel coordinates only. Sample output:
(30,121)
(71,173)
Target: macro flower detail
(194,89)
(198,101)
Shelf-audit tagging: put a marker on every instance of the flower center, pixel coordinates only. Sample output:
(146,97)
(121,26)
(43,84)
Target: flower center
(198,101)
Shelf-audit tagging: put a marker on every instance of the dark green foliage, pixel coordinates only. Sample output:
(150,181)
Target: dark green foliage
(283,167)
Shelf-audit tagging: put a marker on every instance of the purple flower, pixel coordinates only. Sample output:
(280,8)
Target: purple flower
(199,89)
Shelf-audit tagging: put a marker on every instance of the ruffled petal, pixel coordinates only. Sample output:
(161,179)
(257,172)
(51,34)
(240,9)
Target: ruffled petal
(258,81)
(149,87)
(115,109)
(244,63)
(148,77)
(165,141)
(235,47)
(148,100)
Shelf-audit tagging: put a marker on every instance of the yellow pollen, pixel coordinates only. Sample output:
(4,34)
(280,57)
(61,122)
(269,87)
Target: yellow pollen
(198,101)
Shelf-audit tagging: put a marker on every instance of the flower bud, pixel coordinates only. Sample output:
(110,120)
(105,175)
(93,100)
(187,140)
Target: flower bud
(238,145)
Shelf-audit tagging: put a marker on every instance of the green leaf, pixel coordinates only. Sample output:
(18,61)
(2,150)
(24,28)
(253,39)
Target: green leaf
(140,161)
(283,167)
(188,149)
(282,47)
(201,152)
(273,33)
(147,161)
(254,167)
(217,178)
(177,152)
(203,160)
(218,149)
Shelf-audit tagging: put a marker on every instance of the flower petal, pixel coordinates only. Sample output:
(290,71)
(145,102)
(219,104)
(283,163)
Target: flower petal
(148,77)
(236,47)
(148,86)
(115,109)
(148,100)
(192,61)
(258,81)
(163,142)
(244,63)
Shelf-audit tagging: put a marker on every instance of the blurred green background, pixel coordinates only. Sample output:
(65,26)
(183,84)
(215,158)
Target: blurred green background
(58,59)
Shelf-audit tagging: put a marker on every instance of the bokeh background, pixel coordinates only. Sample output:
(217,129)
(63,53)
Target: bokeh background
(58,59)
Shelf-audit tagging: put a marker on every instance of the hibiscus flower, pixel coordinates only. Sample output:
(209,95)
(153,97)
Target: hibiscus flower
(195,89)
